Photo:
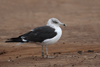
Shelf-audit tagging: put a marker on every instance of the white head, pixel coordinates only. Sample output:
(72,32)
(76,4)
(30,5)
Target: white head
(54,22)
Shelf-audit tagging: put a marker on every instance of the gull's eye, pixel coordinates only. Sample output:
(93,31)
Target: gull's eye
(55,22)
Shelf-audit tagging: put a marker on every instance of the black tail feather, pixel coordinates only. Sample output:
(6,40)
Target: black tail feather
(17,39)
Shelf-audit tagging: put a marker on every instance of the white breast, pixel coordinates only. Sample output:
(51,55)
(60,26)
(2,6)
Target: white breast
(54,39)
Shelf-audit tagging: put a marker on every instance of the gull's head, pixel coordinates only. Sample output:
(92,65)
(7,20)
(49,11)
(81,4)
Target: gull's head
(54,22)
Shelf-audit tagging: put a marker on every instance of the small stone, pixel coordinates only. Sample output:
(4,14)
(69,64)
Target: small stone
(54,53)
(17,57)
(59,52)
(9,57)
(12,60)
(55,65)
(73,65)
(80,52)
(90,50)
(63,42)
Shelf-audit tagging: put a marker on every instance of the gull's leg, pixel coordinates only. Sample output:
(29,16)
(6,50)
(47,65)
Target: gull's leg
(46,50)
(42,52)
(47,53)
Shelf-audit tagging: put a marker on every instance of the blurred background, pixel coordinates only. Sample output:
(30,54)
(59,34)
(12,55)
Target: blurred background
(82,18)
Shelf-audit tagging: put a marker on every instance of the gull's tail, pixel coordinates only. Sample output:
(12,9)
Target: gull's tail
(17,39)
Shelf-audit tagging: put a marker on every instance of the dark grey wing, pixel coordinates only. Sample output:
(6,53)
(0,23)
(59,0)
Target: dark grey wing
(39,34)
(25,35)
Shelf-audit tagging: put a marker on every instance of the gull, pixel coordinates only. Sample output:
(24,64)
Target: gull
(44,35)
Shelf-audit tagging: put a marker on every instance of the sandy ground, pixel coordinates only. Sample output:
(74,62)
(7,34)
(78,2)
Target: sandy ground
(79,45)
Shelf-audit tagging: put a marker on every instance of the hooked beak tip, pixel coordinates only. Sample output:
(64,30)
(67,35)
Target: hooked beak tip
(64,25)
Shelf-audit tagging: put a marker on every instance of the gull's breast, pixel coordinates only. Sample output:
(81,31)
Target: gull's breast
(54,39)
